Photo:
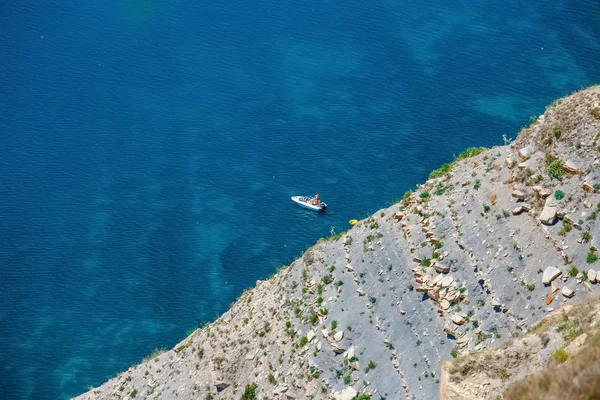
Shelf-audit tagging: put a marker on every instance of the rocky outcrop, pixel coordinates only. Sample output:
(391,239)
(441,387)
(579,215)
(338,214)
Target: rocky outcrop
(457,266)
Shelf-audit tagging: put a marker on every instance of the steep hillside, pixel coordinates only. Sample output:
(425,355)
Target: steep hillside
(488,246)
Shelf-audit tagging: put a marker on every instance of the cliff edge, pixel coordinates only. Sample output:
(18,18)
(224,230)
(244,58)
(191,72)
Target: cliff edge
(489,245)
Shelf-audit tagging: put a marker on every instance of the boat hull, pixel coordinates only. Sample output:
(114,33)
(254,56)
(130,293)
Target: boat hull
(306,202)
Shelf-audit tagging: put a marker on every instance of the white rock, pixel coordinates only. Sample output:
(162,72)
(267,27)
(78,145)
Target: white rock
(350,353)
(525,152)
(339,335)
(567,292)
(457,319)
(548,215)
(550,274)
(310,335)
(518,194)
(592,275)
(447,281)
(347,394)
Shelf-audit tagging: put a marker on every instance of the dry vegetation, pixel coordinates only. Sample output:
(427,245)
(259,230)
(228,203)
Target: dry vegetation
(577,379)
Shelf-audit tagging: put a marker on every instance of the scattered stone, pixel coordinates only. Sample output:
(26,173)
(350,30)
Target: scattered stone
(349,267)
(457,319)
(549,298)
(398,215)
(567,292)
(310,335)
(553,287)
(550,274)
(548,215)
(465,183)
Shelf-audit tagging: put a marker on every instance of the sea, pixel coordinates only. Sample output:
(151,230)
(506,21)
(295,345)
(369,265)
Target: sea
(149,148)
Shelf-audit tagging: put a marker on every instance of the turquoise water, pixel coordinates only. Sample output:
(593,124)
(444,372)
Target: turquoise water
(149,149)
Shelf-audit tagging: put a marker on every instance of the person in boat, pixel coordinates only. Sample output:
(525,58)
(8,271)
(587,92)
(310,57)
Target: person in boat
(316,199)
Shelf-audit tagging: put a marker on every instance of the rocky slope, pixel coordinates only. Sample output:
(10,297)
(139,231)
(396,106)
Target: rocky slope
(485,248)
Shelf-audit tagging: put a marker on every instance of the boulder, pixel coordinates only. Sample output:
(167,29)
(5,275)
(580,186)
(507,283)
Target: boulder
(518,210)
(339,335)
(549,298)
(447,281)
(545,193)
(588,188)
(398,215)
(518,194)
(347,394)
(548,215)
(567,292)
(569,166)
(592,275)
(526,152)
(445,304)
(310,335)
(351,352)
(457,319)
(550,274)
(442,269)
(510,162)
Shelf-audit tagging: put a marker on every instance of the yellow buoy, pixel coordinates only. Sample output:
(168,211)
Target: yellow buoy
(353,222)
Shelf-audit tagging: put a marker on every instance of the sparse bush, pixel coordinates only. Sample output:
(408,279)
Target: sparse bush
(272,379)
(595,112)
(424,195)
(559,195)
(454,352)
(573,271)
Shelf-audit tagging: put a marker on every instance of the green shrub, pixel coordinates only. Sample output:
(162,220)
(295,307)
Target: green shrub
(559,195)
(437,173)
(424,195)
(272,379)
(560,355)
(470,152)
(454,352)
(557,132)
(303,341)
(591,257)
(249,392)
(555,168)
(595,112)
(477,184)
(573,271)
(486,208)
(426,262)
(586,236)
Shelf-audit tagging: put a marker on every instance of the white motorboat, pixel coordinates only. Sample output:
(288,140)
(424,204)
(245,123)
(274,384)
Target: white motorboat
(312,203)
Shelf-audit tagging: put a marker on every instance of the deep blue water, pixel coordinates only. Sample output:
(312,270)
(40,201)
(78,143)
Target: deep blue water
(148,149)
